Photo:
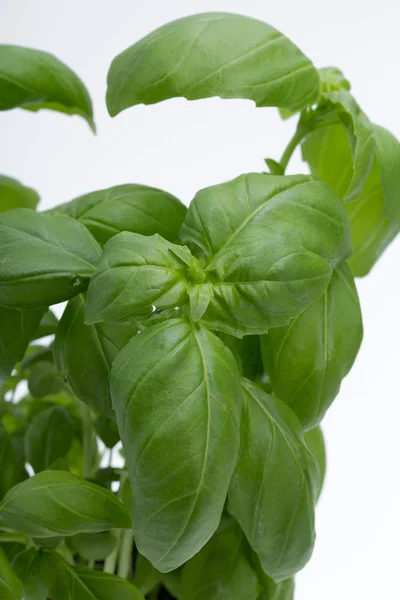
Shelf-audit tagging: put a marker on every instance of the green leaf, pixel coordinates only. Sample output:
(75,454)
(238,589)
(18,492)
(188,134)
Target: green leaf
(220,570)
(134,273)
(130,207)
(84,354)
(375,214)
(177,382)
(47,326)
(274,487)
(15,195)
(269,244)
(9,467)
(92,546)
(314,439)
(145,577)
(44,379)
(213,54)
(10,586)
(48,437)
(307,359)
(33,80)
(36,573)
(17,328)
(55,503)
(247,352)
(283,590)
(53,256)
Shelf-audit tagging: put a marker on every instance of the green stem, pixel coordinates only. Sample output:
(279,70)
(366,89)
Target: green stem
(111,560)
(14,537)
(125,555)
(292,145)
(87,441)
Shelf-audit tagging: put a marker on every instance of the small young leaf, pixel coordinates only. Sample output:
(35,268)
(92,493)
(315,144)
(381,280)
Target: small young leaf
(134,273)
(176,381)
(10,586)
(84,354)
(48,437)
(307,359)
(33,80)
(213,54)
(314,439)
(44,379)
(15,195)
(220,570)
(274,487)
(269,243)
(130,207)
(36,573)
(52,258)
(55,503)
(145,577)
(92,546)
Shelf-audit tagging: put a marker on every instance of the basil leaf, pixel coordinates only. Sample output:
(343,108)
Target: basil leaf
(284,590)
(307,359)
(175,381)
(130,207)
(15,195)
(213,54)
(47,326)
(220,570)
(145,577)
(374,214)
(269,244)
(314,439)
(9,467)
(134,273)
(17,328)
(36,573)
(33,80)
(48,437)
(273,490)
(55,503)
(10,586)
(44,379)
(53,256)
(247,352)
(84,354)
(92,546)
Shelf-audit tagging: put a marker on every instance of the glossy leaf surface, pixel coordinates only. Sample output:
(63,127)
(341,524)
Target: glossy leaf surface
(307,359)
(33,80)
(269,244)
(273,490)
(15,195)
(48,437)
(213,54)
(176,394)
(55,503)
(44,259)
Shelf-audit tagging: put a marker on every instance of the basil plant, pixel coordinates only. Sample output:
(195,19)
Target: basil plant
(210,340)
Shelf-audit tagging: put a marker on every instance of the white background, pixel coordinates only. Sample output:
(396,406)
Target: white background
(182,147)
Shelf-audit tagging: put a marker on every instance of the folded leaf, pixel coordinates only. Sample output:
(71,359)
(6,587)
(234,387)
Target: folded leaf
(10,586)
(130,207)
(55,503)
(177,382)
(375,213)
(135,273)
(307,359)
(33,79)
(220,570)
(44,259)
(213,54)
(48,437)
(36,573)
(273,490)
(269,243)
(84,354)
(314,439)
(15,195)
(17,329)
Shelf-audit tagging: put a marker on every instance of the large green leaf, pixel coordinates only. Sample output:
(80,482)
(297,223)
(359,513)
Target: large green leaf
(129,207)
(36,573)
(314,439)
(269,244)
(55,503)
(10,586)
(307,359)
(220,570)
(17,329)
(48,437)
(84,354)
(375,213)
(213,54)
(9,468)
(32,79)
(44,259)
(176,393)
(274,487)
(136,272)
(15,195)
